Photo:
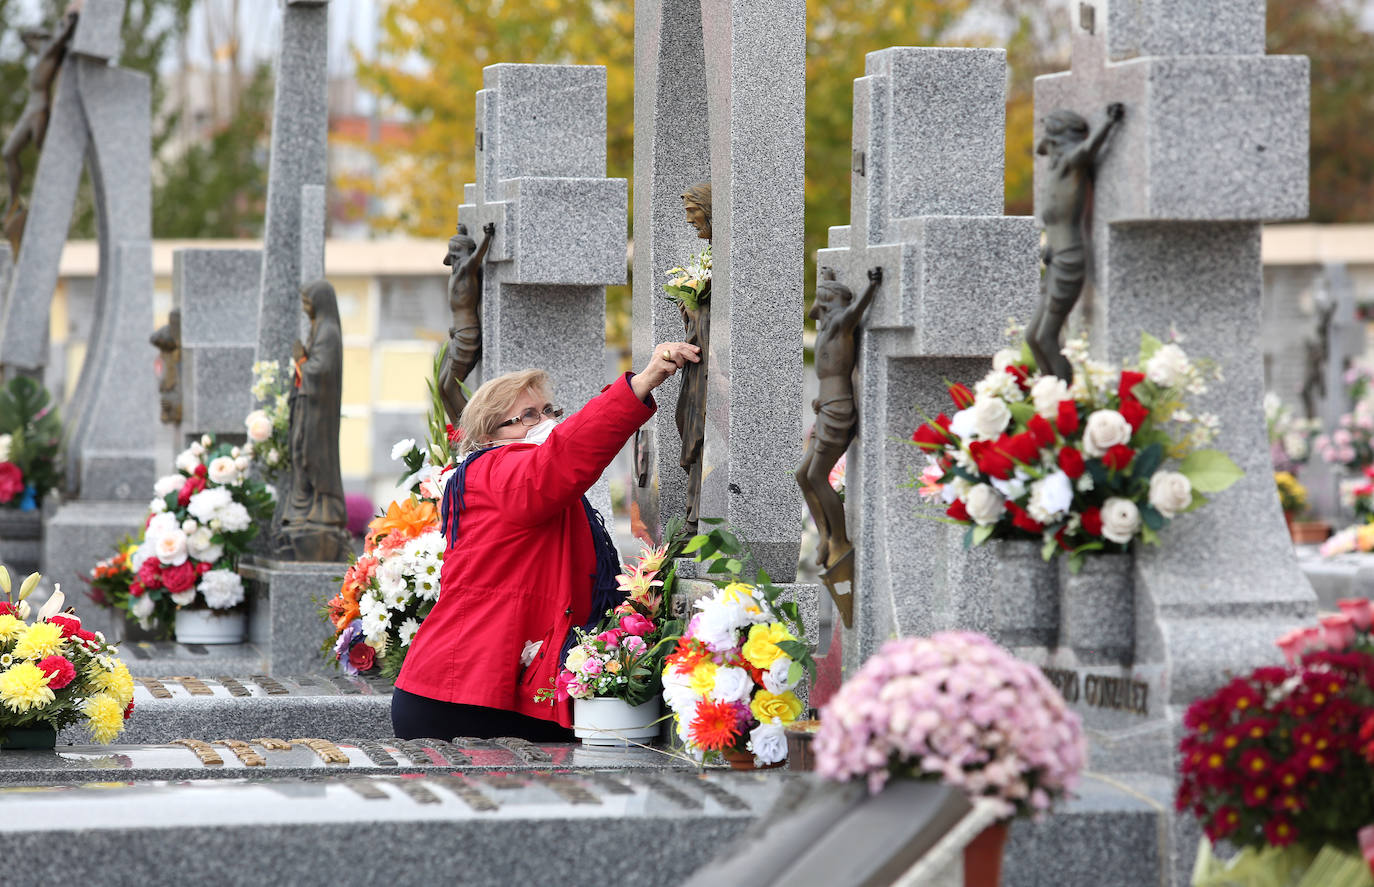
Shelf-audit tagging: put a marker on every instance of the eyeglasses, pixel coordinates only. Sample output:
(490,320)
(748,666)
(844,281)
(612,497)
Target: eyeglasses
(531,417)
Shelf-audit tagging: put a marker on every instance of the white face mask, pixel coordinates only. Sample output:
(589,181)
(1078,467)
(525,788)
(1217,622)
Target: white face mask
(540,433)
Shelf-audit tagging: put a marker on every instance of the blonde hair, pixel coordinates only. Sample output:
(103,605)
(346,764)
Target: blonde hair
(491,405)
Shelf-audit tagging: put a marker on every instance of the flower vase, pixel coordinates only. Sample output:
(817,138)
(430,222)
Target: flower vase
(983,857)
(39,736)
(206,626)
(605,720)
(1097,609)
(742,759)
(1308,532)
(1027,595)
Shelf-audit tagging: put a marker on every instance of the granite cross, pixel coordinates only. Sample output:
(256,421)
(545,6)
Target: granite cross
(560,226)
(1213,143)
(926,206)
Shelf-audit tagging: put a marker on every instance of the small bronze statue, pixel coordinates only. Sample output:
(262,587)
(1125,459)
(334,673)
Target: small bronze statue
(691,399)
(313,514)
(1073,150)
(167,340)
(464,346)
(837,318)
(32,127)
(1317,349)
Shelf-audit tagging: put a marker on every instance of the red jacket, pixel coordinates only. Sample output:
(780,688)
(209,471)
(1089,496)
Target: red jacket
(523,564)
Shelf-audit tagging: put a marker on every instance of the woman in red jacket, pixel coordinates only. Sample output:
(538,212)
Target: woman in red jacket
(527,558)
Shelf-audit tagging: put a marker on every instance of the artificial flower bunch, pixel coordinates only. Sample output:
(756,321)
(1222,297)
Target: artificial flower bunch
(1351,444)
(110,579)
(388,592)
(621,658)
(201,520)
(731,677)
(1359,538)
(1360,495)
(30,434)
(1292,494)
(1081,467)
(688,283)
(268,426)
(959,708)
(1283,755)
(54,672)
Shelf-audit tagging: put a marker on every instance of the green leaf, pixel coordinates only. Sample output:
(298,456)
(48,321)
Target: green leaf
(1021,412)
(1147,461)
(1148,535)
(968,537)
(1153,520)
(1199,500)
(983,534)
(693,544)
(733,566)
(794,673)
(1047,550)
(712,521)
(1148,346)
(1210,471)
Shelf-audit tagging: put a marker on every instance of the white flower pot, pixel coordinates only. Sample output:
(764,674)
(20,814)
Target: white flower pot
(210,626)
(610,721)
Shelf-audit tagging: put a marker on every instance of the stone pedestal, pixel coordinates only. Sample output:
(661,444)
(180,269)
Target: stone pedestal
(77,536)
(21,541)
(284,600)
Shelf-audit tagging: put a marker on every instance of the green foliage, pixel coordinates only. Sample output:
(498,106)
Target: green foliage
(1210,471)
(28,416)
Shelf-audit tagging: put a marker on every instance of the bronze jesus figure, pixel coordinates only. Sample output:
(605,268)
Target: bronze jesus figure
(1073,149)
(691,398)
(464,346)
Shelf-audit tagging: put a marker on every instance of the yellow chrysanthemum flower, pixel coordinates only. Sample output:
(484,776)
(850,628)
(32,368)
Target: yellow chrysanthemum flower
(761,649)
(42,639)
(784,706)
(118,683)
(24,687)
(704,678)
(106,717)
(10,627)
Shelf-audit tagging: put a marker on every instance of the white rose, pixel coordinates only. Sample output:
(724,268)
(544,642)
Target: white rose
(242,463)
(1104,430)
(170,547)
(1170,493)
(577,657)
(732,685)
(200,546)
(768,742)
(223,470)
(1168,367)
(273,457)
(158,505)
(187,460)
(777,679)
(207,441)
(6,443)
(189,526)
(160,524)
(168,483)
(1005,358)
(1046,394)
(141,606)
(1050,497)
(401,447)
(1000,385)
(990,417)
(222,589)
(984,505)
(1120,519)
(184,598)
(259,426)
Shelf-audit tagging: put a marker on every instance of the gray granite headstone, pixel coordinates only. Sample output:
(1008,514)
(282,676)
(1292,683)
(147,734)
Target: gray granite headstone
(926,206)
(560,227)
(98,30)
(1213,142)
(217,292)
(299,158)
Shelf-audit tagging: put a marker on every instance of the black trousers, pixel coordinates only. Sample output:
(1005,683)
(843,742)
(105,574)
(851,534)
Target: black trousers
(419,717)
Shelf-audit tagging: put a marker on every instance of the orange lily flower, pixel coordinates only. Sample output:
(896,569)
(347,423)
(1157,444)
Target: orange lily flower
(408,519)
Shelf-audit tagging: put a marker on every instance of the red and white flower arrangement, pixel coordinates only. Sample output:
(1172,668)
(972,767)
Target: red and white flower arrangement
(958,708)
(1085,467)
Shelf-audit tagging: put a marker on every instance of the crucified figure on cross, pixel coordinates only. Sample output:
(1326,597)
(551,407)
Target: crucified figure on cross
(1072,148)
(33,121)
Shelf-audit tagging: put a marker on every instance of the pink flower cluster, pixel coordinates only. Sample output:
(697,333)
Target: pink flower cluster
(956,707)
(1336,631)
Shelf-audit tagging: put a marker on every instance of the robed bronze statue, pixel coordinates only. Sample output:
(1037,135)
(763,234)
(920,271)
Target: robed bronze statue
(837,317)
(464,347)
(691,399)
(1072,148)
(32,127)
(313,515)
(167,340)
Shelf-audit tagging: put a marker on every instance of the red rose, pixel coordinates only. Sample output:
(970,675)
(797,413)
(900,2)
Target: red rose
(179,578)
(1134,412)
(201,472)
(150,573)
(1092,521)
(1021,374)
(1071,462)
(137,589)
(1020,519)
(962,397)
(192,486)
(957,511)
(361,656)
(991,460)
(1021,447)
(1067,420)
(1039,428)
(11,481)
(60,672)
(1063,543)
(202,567)
(932,435)
(1118,457)
(1129,379)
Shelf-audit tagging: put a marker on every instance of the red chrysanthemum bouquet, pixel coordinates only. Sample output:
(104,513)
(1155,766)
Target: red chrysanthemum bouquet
(1284,757)
(1084,467)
